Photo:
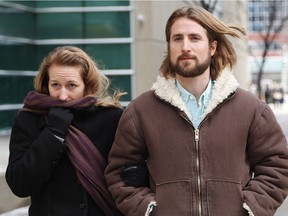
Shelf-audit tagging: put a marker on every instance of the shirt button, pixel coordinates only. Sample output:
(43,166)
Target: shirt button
(81,205)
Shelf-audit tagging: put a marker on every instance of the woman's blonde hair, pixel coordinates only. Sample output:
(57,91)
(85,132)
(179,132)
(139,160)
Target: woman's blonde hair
(96,83)
(216,30)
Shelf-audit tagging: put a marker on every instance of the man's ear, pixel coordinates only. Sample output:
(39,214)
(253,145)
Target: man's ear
(213,47)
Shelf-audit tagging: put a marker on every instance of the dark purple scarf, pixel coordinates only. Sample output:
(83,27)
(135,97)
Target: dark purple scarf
(85,157)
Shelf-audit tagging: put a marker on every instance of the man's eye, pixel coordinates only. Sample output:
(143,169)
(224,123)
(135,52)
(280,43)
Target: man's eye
(195,38)
(177,38)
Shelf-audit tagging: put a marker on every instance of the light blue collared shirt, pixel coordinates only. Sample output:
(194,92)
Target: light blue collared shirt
(196,110)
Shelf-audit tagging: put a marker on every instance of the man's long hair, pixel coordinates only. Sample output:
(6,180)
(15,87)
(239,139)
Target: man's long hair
(216,30)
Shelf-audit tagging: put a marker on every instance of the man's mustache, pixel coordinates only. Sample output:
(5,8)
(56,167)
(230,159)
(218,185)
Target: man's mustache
(186,56)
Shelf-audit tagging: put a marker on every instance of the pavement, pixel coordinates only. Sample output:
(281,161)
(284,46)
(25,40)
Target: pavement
(8,201)
(4,142)
(10,205)
(281,113)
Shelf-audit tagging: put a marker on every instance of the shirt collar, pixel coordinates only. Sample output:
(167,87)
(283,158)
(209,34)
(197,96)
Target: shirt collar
(207,93)
(204,98)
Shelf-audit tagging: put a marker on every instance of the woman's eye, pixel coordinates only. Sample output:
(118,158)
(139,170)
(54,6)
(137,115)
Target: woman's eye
(55,85)
(71,85)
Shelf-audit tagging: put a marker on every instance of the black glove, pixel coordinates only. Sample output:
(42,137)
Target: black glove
(58,121)
(135,175)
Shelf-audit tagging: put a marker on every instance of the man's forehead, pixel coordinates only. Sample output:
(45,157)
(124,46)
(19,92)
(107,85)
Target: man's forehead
(187,26)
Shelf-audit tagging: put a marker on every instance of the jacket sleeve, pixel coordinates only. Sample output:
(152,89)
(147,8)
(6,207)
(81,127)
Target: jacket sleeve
(128,148)
(34,153)
(268,156)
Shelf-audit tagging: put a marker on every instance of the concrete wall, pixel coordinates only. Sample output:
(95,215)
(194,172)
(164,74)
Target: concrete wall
(150,44)
(235,12)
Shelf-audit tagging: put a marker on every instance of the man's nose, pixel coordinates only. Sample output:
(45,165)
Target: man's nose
(185,45)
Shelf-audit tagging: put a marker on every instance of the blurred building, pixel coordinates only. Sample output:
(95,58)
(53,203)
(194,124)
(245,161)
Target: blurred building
(259,21)
(125,38)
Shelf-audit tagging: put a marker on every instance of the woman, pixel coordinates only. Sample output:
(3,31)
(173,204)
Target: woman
(62,136)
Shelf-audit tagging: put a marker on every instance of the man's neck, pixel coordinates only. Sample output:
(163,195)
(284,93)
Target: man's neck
(194,85)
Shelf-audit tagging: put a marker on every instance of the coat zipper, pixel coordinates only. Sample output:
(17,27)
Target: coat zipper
(197,150)
(198,178)
(198,200)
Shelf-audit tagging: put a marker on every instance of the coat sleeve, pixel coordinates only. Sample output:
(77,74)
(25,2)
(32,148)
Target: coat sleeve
(268,155)
(34,152)
(128,148)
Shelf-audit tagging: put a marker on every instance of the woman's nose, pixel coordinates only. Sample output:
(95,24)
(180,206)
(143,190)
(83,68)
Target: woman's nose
(63,96)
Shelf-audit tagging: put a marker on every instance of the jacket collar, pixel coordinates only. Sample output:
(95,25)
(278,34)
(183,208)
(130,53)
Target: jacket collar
(224,86)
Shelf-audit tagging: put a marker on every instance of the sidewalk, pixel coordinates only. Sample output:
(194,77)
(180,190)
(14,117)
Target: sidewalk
(8,201)
(23,211)
(279,109)
(4,149)
(281,113)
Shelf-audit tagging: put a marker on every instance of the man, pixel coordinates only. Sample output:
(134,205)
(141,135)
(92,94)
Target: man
(210,147)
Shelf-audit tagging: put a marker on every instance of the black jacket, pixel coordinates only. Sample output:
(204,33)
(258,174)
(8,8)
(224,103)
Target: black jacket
(40,168)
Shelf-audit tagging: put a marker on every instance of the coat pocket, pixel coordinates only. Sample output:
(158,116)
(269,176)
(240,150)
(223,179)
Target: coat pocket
(174,198)
(225,197)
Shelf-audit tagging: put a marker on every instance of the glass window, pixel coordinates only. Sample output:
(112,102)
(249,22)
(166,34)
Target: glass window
(59,25)
(111,56)
(106,3)
(107,24)
(25,56)
(17,57)
(83,25)
(44,4)
(107,56)
(25,3)
(6,118)
(16,23)
(15,88)
(123,83)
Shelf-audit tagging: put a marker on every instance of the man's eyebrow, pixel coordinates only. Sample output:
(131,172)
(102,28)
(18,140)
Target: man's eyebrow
(177,35)
(195,34)
(191,34)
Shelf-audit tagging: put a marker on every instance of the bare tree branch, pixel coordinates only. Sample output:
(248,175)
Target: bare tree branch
(187,2)
(208,5)
(269,37)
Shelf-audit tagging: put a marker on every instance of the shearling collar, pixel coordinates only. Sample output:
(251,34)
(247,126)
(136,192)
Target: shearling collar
(224,85)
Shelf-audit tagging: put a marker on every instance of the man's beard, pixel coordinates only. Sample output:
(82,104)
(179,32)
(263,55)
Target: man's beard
(186,70)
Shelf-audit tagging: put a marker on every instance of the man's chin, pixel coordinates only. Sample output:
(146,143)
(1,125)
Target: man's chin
(185,75)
